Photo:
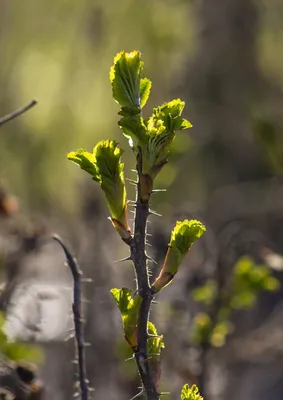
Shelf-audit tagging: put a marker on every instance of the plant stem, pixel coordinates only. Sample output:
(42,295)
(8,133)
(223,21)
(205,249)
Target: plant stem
(77,313)
(17,113)
(139,258)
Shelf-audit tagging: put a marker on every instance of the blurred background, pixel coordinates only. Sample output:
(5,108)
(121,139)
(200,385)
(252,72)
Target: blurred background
(224,58)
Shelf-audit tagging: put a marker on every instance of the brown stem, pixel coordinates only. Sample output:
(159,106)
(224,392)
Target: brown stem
(17,113)
(138,255)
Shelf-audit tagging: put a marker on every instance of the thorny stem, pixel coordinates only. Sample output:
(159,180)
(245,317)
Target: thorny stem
(17,113)
(139,258)
(77,313)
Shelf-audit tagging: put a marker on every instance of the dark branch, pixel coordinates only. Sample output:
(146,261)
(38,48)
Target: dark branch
(17,113)
(78,320)
(139,257)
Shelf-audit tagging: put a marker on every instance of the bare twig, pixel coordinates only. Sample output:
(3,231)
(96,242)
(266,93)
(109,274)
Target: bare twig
(17,113)
(139,257)
(78,320)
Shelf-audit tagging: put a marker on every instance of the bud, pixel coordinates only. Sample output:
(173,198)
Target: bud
(183,236)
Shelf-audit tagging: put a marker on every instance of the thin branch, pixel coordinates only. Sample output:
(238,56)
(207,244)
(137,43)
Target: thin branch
(139,257)
(78,320)
(17,113)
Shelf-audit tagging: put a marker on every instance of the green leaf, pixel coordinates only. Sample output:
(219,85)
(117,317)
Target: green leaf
(183,236)
(134,129)
(129,308)
(161,127)
(105,167)
(190,393)
(125,78)
(154,344)
(170,115)
(145,86)
(85,160)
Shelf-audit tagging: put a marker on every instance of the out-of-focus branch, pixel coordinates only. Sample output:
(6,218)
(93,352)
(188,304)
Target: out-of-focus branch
(17,113)
(78,320)
(21,381)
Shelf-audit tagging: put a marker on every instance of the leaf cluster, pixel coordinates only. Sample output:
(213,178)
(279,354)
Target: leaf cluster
(247,281)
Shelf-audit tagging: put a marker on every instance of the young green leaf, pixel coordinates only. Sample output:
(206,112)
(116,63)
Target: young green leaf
(145,86)
(155,344)
(125,79)
(106,168)
(183,236)
(190,393)
(129,308)
(86,161)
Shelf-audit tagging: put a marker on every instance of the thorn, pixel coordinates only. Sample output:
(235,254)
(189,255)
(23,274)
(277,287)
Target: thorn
(164,394)
(148,244)
(132,211)
(132,182)
(86,301)
(141,393)
(91,389)
(87,344)
(151,259)
(131,358)
(154,302)
(69,337)
(128,258)
(75,395)
(134,170)
(150,336)
(148,234)
(154,213)
(158,190)
(75,362)
(86,280)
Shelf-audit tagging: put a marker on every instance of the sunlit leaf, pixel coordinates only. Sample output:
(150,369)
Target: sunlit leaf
(183,236)
(190,393)
(129,308)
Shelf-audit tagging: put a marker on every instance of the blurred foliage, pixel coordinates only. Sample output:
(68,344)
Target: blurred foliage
(246,283)
(17,351)
(269,137)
